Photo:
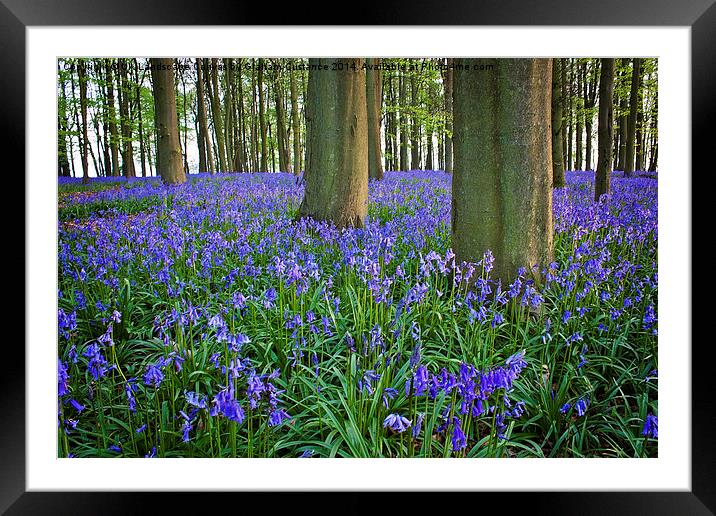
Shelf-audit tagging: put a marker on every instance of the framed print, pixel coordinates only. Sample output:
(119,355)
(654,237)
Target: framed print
(432,268)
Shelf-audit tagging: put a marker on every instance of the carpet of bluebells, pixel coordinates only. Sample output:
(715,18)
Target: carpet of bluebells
(202,320)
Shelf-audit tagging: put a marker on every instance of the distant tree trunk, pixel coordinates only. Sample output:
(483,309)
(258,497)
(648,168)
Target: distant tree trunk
(82,79)
(579,113)
(655,140)
(112,122)
(203,124)
(403,121)
(557,163)
(563,101)
(169,159)
(448,143)
(254,133)
(414,123)
(216,114)
(337,145)
(639,141)
(296,123)
(142,153)
(605,128)
(429,159)
(282,138)
(569,102)
(63,162)
(262,119)
(502,187)
(623,126)
(240,127)
(374,96)
(631,120)
(128,152)
(229,114)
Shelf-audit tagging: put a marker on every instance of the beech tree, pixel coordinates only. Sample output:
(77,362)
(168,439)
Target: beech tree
(632,118)
(336,173)
(502,178)
(605,128)
(374,83)
(169,156)
(557,126)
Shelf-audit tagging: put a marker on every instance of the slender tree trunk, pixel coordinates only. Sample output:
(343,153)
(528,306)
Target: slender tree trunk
(563,101)
(557,163)
(216,114)
(448,143)
(337,145)
(502,187)
(374,82)
(605,128)
(82,79)
(579,115)
(63,162)
(254,130)
(128,152)
(207,155)
(639,142)
(142,151)
(631,120)
(112,122)
(282,139)
(414,123)
(229,114)
(169,160)
(262,118)
(402,121)
(296,123)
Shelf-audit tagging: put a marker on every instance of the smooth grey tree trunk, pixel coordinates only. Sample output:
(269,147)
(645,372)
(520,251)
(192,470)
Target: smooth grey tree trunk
(336,174)
(374,83)
(605,129)
(502,181)
(169,156)
(557,149)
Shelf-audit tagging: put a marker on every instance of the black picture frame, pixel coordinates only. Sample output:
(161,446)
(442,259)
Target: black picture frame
(16,15)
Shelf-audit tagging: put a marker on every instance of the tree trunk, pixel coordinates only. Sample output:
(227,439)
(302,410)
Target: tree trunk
(337,145)
(203,123)
(82,79)
(579,113)
(229,114)
(374,96)
(403,121)
(448,143)
(169,160)
(414,123)
(296,123)
(213,75)
(557,163)
(563,101)
(631,120)
(63,162)
(262,119)
(605,129)
(502,182)
(128,152)
(142,151)
(283,161)
(112,122)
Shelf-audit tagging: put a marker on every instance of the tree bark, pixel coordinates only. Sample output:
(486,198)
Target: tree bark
(203,123)
(82,79)
(631,120)
(337,145)
(169,159)
(414,123)
(128,152)
(448,143)
(374,83)
(296,123)
(283,162)
(262,119)
(579,112)
(605,129)
(213,75)
(403,121)
(502,182)
(557,157)
(63,162)
(112,122)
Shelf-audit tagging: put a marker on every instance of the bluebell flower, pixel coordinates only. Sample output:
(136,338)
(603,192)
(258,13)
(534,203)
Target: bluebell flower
(564,408)
(62,379)
(651,426)
(141,428)
(581,406)
(459,441)
(276,417)
(396,422)
(77,405)
(153,376)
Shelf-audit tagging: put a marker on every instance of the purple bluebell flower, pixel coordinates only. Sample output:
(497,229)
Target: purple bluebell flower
(396,423)
(62,379)
(651,426)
